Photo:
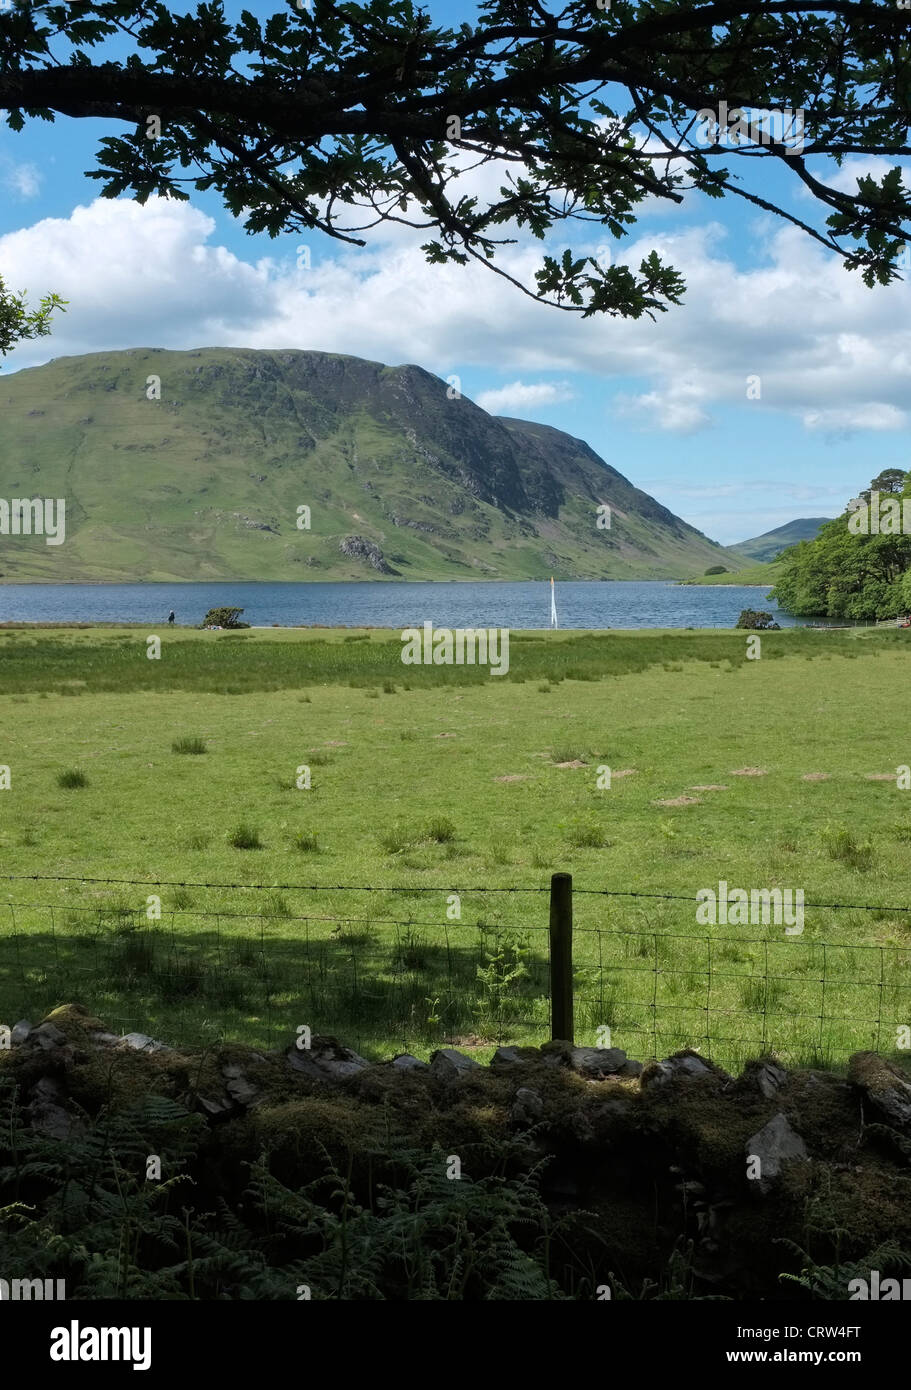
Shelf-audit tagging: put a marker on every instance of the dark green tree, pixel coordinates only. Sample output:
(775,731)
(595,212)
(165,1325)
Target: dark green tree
(757,618)
(889,480)
(336,116)
(842,575)
(224,617)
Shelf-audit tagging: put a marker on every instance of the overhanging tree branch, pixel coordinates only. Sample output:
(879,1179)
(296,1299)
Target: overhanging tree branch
(300,118)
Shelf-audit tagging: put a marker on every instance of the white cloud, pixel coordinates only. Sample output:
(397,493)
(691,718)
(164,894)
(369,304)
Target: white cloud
(520,397)
(874,415)
(22,179)
(678,409)
(830,353)
(855,166)
(135,276)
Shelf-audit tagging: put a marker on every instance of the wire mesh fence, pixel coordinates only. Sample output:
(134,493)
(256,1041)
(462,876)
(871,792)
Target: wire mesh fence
(420,979)
(196,975)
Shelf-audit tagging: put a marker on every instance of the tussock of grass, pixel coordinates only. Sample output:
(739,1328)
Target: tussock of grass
(569,753)
(842,845)
(586,835)
(72,777)
(440,829)
(244,836)
(396,839)
(189,745)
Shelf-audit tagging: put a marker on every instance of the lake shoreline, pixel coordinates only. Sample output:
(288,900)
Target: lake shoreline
(599,605)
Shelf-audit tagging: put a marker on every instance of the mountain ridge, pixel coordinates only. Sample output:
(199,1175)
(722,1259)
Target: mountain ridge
(402,478)
(770,544)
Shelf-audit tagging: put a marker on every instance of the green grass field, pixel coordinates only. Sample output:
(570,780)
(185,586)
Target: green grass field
(758,574)
(428,781)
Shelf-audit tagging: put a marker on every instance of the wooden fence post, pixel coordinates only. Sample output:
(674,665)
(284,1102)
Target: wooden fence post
(561,957)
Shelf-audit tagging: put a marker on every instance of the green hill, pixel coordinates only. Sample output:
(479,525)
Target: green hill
(770,545)
(753,574)
(206,482)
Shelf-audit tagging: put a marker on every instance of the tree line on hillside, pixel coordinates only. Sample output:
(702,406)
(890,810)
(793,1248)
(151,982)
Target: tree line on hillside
(859,566)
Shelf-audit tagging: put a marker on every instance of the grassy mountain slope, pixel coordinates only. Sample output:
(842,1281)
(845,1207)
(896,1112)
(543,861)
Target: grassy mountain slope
(768,546)
(752,574)
(205,483)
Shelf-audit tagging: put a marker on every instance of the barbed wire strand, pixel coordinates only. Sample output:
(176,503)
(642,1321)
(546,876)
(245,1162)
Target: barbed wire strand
(408,889)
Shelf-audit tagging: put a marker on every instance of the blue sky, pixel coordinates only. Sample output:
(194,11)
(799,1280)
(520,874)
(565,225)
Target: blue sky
(665,402)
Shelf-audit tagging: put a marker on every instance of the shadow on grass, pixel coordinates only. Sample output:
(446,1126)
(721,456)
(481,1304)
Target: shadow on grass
(375,989)
(195,978)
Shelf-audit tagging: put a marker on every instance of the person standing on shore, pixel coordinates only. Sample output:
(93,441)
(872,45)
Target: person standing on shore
(171,617)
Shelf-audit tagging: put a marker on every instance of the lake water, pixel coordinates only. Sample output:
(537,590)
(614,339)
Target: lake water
(602,604)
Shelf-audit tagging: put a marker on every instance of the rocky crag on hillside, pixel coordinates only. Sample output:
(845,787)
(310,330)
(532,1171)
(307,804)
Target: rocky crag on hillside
(642,1170)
